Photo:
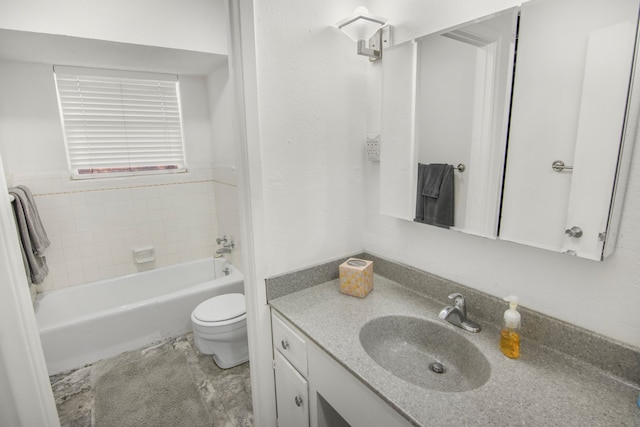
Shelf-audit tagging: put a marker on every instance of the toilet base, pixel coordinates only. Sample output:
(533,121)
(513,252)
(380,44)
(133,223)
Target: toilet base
(225,354)
(228,345)
(227,365)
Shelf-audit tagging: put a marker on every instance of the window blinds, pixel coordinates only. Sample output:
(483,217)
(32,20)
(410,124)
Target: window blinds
(120,122)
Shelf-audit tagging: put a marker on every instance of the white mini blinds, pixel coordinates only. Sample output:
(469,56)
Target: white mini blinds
(120,123)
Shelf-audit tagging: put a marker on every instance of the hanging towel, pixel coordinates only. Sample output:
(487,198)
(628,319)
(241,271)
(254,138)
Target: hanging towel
(33,237)
(435,196)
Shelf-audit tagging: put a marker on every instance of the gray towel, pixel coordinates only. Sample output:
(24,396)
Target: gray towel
(33,238)
(435,196)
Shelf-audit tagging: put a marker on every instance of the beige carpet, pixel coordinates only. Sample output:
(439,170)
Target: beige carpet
(155,390)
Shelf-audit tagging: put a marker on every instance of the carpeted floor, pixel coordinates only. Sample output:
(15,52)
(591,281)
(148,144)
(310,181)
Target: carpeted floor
(169,384)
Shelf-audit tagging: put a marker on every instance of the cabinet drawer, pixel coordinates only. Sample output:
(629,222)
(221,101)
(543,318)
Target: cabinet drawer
(290,343)
(292,395)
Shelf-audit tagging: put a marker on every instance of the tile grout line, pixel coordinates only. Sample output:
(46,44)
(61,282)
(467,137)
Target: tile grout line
(123,188)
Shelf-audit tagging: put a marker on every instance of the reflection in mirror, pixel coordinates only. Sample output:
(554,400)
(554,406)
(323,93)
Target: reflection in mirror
(569,102)
(445,102)
(463,89)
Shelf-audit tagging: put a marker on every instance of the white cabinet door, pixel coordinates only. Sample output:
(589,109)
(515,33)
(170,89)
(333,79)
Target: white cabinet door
(398,167)
(569,101)
(292,395)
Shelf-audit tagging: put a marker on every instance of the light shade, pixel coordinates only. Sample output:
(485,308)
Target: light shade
(362,25)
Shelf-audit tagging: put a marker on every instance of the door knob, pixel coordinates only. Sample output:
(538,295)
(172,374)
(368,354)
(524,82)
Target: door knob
(284,344)
(574,231)
(298,401)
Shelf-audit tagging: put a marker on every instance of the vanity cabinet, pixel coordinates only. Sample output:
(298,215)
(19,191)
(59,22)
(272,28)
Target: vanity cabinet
(291,394)
(290,364)
(312,389)
(338,399)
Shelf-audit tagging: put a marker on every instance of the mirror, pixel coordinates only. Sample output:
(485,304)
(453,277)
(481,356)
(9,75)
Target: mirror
(460,93)
(463,89)
(446,100)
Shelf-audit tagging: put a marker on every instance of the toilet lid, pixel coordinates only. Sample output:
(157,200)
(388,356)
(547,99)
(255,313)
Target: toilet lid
(222,307)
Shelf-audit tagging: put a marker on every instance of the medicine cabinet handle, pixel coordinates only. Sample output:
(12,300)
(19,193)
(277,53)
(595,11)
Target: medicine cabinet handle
(574,231)
(284,344)
(559,166)
(298,401)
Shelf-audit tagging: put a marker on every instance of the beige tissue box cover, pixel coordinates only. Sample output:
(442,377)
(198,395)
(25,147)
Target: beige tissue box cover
(356,277)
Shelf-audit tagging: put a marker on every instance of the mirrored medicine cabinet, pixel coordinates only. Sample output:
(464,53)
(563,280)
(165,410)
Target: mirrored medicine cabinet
(533,109)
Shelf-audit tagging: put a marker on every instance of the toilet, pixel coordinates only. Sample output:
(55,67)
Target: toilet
(220,329)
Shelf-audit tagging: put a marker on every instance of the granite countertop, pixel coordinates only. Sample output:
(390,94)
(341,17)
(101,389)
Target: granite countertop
(542,387)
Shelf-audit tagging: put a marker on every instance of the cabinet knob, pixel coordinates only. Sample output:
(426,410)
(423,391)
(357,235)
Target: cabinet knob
(284,344)
(574,231)
(298,401)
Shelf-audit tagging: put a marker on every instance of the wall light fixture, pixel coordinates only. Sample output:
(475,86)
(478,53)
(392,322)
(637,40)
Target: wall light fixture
(366,30)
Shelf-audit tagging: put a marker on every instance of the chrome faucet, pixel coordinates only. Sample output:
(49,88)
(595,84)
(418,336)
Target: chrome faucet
(226,246)
(456,314)
(227,268)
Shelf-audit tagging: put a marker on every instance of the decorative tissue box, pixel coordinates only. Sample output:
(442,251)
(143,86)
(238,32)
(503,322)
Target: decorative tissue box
(356,277)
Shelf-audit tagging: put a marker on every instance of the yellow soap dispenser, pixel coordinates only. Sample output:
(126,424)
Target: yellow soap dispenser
(510,334)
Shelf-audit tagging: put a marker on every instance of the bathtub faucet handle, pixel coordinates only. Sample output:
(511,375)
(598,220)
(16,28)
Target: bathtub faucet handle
(226,248)
(222,239)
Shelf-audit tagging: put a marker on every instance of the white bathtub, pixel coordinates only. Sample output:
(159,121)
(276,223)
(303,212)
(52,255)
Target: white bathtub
(85,323)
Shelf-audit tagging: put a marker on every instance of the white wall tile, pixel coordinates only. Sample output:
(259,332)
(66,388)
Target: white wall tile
(93,226)
(92,274)
(78,200)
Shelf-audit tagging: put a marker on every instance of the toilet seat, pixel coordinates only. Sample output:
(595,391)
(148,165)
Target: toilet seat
(222,309)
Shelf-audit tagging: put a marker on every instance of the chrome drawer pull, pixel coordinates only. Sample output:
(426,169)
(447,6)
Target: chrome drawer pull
(284,344)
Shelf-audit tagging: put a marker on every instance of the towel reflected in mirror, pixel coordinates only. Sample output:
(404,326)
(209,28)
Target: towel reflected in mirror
(435,195)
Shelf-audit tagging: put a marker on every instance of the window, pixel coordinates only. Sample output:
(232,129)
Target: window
(120,123)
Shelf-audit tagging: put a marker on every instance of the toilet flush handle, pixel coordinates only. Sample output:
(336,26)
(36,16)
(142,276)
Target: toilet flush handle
(284,344)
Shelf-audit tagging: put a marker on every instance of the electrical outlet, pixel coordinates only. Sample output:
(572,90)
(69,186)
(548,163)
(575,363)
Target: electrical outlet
(373,149)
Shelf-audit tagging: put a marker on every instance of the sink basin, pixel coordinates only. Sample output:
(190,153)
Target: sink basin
(416,350)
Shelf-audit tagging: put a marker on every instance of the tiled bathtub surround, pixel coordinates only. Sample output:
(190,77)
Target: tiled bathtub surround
(95,224)
(618,359)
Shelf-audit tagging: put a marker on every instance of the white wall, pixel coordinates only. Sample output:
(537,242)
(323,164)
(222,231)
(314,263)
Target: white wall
(223,125)
(95,224)
(188,24)
(221,116)
(600,296)
(312,106)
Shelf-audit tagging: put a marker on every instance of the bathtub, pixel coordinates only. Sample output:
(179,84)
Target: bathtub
(85,323)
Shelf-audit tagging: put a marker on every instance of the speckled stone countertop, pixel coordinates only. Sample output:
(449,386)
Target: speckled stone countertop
(542,387)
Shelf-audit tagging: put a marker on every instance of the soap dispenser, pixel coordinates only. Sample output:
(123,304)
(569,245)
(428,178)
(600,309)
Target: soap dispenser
(510,334)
